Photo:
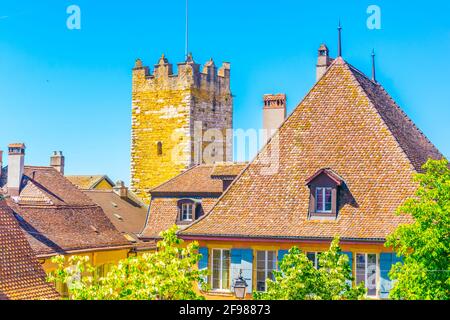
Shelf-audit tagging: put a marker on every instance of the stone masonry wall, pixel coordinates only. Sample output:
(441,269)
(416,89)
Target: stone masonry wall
(165,108)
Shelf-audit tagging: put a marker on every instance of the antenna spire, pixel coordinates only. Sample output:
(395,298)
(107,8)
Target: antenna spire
(187,30)
(374,75)
(339,39)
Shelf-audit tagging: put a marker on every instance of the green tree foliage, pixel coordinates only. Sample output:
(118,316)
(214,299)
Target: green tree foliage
(298,279)
(424,244)
(170,273)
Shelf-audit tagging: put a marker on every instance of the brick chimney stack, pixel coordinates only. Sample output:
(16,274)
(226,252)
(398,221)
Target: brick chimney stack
(121,190)
(16,163)
(323,61)
(274,113)
(57,161)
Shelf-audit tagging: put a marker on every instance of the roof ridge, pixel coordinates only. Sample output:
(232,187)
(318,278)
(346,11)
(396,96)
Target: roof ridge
(395,105)
(338,60)
(177,176)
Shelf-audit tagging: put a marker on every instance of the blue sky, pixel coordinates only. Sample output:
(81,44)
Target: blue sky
(70,90)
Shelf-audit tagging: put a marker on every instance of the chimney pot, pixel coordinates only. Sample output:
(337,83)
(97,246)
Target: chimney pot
(16,163)
(323,61)
(274,113)
(57,161)
(121,190)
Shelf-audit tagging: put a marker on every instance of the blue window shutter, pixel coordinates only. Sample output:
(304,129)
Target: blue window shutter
(281,254)
(350,259)
(247,268)
(386,261)
(350,262)
(203,263)
(235,265)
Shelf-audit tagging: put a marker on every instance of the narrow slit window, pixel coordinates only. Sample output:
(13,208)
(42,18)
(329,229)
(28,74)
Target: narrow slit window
(159,148)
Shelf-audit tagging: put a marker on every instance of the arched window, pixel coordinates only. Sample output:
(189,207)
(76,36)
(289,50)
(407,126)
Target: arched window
(159,148)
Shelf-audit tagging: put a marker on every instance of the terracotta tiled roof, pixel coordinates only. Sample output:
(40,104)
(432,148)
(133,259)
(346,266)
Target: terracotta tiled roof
(202,183)
(164,213)
(88,182)
(346,123)
(227,170)
(21,275)
(126,215)
(58,217)
(196,180)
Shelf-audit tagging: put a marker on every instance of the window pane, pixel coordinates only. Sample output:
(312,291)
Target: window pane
(371,283)
(260,270)
(226,269)
(328,196)
(271,264)
(216,270)
(312,257)
(319,199)
(360,268)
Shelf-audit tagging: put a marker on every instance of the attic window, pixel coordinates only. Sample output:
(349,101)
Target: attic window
(324,190)
(324,198)
(187,212)
(94,229)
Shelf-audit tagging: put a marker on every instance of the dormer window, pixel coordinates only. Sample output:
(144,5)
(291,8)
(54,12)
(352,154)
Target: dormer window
(189,210)
(324,190)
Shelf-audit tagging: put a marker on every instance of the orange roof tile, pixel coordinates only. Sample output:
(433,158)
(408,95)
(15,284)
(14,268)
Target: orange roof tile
(21,275)
(57,217)
(349,124)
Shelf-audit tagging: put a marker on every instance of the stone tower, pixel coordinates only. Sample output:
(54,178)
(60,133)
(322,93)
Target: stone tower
(178,120)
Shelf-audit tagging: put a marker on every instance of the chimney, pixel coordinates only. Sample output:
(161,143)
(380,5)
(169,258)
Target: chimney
(274,113)
(57,161)
(121,190)
(16,162)
(323,61)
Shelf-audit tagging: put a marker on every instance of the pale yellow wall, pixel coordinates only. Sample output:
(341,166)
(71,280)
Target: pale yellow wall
(103,185)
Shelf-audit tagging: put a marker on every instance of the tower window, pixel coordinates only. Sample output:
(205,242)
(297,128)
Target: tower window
(159,148)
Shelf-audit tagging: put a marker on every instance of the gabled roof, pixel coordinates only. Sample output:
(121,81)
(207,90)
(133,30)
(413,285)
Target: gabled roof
(126,215)
(227,170)
(349,124)
(196,180)
(163,215)
(21,275)
(329,173)
(88,182)
(58,218)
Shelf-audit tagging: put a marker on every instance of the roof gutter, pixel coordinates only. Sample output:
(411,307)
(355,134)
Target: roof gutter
(283,239)
(49,255)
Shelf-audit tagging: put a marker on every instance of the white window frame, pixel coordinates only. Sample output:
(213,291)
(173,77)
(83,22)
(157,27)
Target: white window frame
(316,258)
(266,265)
(324,189)
(187,206)
(221,286)
(377,272)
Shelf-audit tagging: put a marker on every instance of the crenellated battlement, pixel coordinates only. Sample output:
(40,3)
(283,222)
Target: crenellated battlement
(168,111)
(189,74)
